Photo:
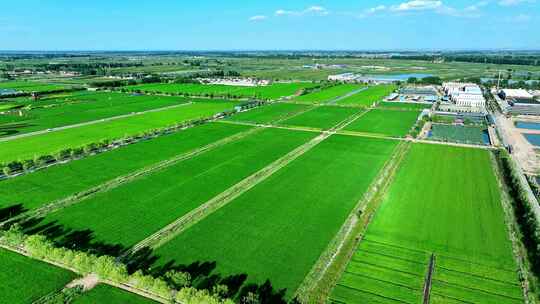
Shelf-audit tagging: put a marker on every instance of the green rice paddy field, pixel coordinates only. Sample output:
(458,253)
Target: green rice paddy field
(385,122)
(323,117)
(25,280)
(27,86)
(273,91)
(107,294)
(444,201)
(369,96)
(84,107)
(277,230)
(269,113)
(115,216)
(79,175)
(28,147)
(328,94)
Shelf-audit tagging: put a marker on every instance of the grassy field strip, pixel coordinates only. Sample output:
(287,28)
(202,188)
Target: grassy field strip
(387,122)
(107,294)
(327,94)
(369,96)
(172,230)
(109,185)
(318,282)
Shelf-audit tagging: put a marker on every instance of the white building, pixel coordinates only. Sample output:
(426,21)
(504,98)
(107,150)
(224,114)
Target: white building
(515,94)
(467,97)
(343,77)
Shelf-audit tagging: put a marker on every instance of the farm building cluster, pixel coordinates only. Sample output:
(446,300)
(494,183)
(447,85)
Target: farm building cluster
(463,97)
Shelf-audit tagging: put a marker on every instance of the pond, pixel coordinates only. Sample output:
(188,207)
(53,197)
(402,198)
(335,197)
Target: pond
(528,125)
(396,77)
(534,139)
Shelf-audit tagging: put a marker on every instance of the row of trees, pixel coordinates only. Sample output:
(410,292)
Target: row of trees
(523,209)
(174,286)
(431,80)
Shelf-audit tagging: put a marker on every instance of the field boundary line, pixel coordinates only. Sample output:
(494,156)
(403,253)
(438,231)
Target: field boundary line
(116,182)
(452,298)
(391,256)
(374,294)
(318,284)
(428,279)
(477,276)
(193,217)
(384,267)
(93,122)
(380,280)
(514,234)
(491,293)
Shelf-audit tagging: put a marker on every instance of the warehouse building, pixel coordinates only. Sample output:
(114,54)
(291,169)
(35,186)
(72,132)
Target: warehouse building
(464,97)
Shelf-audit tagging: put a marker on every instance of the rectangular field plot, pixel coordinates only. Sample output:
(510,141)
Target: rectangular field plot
(404,106)
(77,108)
(460,134)
(24,280)
(277,230)
(445,201)
(52,142)
(36,189)
(328,94)
(324,117)
(127,214)
(110,295)
(368,96)
(269,113)
(385,122)
(273,91)
(386,272)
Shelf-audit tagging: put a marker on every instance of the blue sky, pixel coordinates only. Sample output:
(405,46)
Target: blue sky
(276,24)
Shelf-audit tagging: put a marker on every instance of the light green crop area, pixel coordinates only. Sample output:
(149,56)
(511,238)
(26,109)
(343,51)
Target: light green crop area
(270,113)
(444,201)
(323,117)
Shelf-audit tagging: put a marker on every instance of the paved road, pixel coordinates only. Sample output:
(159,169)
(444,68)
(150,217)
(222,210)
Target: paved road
(90,122)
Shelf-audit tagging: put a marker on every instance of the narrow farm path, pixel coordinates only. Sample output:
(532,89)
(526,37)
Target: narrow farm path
(88,282)
(114,183)
(93,122)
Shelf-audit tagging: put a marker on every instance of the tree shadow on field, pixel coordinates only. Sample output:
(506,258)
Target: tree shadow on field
(204,276)
(81,240)
(11,211)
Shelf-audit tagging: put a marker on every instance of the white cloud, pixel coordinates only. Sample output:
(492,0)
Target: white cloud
(312,10)
(258,18)
(417,5)
(514,2)
(376,9)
